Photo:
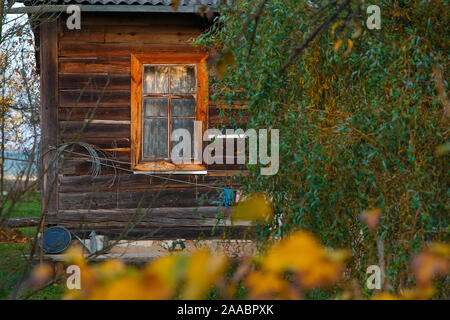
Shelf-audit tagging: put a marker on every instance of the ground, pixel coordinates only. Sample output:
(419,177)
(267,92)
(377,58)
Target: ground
(12,261)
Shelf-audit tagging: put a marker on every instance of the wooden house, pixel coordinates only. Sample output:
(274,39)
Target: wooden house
(120,84)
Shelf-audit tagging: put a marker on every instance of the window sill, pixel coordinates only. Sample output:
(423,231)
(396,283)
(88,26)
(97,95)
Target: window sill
(197,172)
(169,168)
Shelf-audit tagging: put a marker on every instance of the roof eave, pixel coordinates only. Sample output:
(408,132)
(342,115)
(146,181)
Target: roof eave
(109,8)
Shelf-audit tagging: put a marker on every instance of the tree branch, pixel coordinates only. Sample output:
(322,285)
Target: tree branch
(299,50)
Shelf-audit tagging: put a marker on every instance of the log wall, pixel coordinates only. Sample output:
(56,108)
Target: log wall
(93,106)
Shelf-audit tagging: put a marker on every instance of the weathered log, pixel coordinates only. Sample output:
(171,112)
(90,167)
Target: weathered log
(24,222)
(157,223)
(143,218)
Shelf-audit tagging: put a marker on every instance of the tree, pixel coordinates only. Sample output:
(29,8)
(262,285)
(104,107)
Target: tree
(359,115)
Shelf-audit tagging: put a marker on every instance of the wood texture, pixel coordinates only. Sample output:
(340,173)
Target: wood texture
(49,112)
(95,77)
(176,222)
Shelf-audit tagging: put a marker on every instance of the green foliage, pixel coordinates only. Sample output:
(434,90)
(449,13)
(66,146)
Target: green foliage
(11,265)
(357,131)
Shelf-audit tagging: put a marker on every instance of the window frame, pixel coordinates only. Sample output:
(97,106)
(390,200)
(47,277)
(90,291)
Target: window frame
(201,109)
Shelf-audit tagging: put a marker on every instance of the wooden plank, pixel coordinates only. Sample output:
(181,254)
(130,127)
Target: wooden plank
(75,167)
(189,197)
(130,182)
(84,35)
(119,50)
(94,66)
(155,35)
(49,111)
(23,222)
(70,81)
(169,223)
(154,217)
(108,98)
(78,113)
(69,129)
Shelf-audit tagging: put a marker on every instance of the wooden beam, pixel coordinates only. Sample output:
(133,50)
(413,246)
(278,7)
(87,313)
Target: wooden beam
(157,223)
(24,222)
(144,218)
(49,112)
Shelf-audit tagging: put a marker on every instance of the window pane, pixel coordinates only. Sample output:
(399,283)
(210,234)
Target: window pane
(183,107)
(187,124)
(155,138)
(182,79)
(155,107)
(156,79)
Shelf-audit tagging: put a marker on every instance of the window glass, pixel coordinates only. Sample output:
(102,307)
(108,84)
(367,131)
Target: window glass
(187,124)
(182,79)
(183,108)
(164,86)
(156,79)
(155,107)
(155,138)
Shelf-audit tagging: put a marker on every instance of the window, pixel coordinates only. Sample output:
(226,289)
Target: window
(168,92)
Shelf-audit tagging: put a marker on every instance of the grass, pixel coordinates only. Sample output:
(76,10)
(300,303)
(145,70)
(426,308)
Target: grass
(12,255)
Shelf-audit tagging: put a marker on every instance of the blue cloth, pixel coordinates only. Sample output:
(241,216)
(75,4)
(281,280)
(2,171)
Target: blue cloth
(228,195)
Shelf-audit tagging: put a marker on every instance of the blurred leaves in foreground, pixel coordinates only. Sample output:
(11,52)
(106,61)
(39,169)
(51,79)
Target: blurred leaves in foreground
(284,269)
(288,269)
(257,207)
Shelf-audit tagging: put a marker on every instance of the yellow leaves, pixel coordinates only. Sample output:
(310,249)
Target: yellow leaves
(269,285)
(126,288)
(111,268)
(371,217)
(443,149)
(385,296)
(336,25)
(432,262)
(303,254)
(337,44)
(343,36)
(257,207)
(358,31)
(40,275)
(435,261)
(440,249)
(349,47)
(166,268)
(408,294)
(203,270)
(286,270)
(74,255)
(225,60)
(193,276)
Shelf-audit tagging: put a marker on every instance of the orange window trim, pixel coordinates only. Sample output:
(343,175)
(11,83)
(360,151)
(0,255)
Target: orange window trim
(137,62)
